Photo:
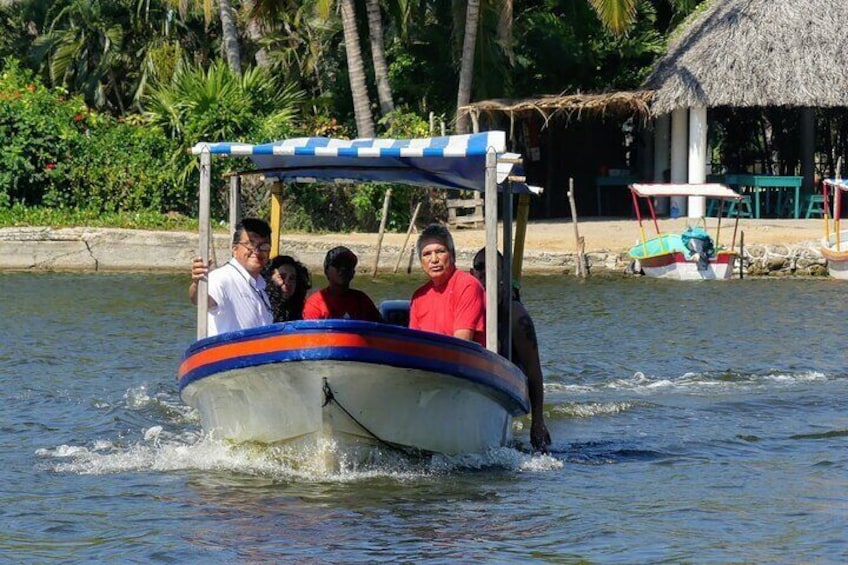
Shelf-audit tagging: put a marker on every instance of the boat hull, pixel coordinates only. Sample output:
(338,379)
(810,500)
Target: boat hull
(666,257)
(837,257)
(353,383)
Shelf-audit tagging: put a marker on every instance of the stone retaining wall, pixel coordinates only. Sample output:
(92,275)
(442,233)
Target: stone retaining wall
(100,249)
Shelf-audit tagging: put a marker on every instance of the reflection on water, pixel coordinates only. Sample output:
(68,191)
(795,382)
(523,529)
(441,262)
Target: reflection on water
(691,422)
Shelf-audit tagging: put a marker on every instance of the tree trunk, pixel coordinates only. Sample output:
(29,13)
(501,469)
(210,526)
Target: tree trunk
(378,56)
(466,69)
(356,71)
(230,36)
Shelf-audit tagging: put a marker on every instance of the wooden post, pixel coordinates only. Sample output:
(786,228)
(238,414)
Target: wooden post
(276,217)
(386,201)
(408,233)
(741,255)
(521,216)
(580,269)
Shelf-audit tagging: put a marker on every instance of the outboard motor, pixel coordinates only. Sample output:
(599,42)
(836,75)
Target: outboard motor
(700,244)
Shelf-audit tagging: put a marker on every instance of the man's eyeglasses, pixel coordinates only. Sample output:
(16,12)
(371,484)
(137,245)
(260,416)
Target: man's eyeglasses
(262,248)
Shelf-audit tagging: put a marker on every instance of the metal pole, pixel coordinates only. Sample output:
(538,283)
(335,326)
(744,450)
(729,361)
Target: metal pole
(235,201)
(204,237)
(491,215)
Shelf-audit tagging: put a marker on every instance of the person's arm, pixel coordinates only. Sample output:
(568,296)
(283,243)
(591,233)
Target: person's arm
(371,312)
(469,310)
(313,308)
(464,334)
(199,271)
(527,349)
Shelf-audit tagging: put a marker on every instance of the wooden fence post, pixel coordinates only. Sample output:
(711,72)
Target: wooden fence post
(408,233)
(580,269)
(386,201)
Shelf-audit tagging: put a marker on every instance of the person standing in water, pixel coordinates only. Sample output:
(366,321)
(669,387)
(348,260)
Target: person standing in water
(524,346)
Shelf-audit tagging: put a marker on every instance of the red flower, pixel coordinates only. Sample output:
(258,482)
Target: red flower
(50,166)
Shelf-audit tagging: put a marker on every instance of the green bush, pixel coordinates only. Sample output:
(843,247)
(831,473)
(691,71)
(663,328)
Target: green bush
(118,166)
(38,126)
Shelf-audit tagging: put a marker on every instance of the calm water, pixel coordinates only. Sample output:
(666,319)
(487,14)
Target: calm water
(703,423)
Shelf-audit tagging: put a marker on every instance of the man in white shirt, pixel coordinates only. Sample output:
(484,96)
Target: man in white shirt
(237,298)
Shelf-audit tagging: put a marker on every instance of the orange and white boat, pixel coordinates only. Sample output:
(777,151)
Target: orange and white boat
(691,255)
(834,245)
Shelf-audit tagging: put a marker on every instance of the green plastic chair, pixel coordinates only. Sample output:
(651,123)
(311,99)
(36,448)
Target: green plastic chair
(744,205)
(815,205)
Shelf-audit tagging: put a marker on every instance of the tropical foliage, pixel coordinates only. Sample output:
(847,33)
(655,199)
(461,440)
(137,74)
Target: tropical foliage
(154,77)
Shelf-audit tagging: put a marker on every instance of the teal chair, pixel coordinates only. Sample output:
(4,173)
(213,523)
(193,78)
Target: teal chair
(743,206)
(815,205)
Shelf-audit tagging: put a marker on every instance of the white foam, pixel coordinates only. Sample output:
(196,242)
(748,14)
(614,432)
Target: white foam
(165,452)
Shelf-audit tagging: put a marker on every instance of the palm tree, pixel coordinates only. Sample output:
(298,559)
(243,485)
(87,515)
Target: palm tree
(466,68)
(378,57)
(230,35)
(617,16)
(82,49)
(356,71)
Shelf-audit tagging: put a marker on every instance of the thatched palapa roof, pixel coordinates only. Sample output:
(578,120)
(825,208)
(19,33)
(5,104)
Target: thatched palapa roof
(746,53)
(572,106)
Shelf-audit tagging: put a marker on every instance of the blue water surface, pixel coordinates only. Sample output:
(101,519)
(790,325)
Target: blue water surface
(692,422)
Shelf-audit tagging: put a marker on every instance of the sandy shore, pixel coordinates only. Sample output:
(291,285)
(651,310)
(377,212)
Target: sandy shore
(549,246)
(612,235)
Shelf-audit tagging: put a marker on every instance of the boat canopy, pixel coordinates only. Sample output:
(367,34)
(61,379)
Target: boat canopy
(837,183)
(718,191)
(455,161)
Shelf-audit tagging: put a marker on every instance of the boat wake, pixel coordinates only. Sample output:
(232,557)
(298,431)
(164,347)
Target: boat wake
(165,436)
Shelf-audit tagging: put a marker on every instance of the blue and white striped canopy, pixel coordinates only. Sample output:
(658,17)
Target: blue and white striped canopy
(456,161)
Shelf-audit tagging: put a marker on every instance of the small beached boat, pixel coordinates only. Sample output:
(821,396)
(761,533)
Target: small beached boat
(834,245)
(691,255)
(361,383)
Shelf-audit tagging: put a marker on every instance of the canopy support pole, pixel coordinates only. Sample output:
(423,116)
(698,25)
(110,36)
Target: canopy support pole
(491,216)
(276,217)
(204,237)
(235,201)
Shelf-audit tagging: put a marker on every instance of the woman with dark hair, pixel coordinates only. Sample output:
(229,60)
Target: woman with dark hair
(288,281)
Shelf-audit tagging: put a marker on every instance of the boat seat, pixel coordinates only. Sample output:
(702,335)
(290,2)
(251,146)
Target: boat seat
(815,205)
(743,205)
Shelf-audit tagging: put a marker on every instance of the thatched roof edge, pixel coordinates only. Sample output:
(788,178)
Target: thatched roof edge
(570,106)
(756,53)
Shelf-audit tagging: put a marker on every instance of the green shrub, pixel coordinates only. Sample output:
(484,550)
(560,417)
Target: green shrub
(38,126)
(118,166)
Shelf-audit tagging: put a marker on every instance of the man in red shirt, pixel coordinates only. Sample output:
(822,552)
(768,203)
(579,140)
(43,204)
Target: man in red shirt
(452,302)
(339,301)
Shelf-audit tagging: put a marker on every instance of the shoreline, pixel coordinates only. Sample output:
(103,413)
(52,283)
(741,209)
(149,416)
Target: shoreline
(772,247)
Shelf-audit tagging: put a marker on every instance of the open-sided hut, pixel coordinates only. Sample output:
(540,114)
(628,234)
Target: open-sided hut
(569,136)
(758,53)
